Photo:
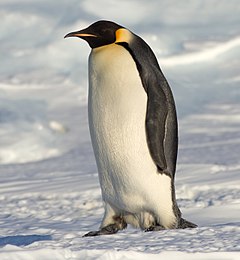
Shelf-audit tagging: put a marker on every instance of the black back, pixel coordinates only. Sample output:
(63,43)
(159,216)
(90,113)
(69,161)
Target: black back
(161,118)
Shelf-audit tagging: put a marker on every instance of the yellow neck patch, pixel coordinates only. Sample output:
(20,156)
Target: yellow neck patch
(123,35)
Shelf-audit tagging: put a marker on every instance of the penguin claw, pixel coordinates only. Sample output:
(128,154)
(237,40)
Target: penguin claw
(154,228)
(108,230)
(92,234)
(183,223)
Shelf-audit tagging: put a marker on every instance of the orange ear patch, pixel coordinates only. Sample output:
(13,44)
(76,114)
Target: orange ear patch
(123,35)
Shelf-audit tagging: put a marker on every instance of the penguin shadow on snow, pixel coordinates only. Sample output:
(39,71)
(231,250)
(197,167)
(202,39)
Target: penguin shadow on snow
(23,240)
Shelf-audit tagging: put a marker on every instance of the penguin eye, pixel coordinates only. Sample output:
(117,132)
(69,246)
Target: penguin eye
(108,33)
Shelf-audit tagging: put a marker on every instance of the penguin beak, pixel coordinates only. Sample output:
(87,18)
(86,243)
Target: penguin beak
(81,34)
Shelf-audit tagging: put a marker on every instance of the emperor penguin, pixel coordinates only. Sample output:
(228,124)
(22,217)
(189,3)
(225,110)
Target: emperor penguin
(134,131)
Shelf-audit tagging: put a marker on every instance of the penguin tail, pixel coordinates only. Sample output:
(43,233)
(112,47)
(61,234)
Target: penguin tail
(183,223)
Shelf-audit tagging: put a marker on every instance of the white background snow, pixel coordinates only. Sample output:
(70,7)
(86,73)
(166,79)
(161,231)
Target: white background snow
(49,189)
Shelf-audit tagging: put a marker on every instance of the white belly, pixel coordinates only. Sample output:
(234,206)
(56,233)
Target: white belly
(117,110)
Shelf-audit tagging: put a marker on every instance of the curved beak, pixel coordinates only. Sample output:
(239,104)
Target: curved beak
(80,34)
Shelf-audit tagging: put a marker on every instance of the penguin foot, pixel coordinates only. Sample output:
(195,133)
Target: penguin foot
(108,230)
(154,228)
(183,223)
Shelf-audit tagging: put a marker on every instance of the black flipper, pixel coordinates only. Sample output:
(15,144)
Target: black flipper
(161,125)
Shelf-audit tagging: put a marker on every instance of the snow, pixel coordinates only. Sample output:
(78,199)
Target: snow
(49,190)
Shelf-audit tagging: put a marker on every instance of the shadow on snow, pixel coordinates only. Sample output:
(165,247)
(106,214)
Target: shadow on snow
(23,240)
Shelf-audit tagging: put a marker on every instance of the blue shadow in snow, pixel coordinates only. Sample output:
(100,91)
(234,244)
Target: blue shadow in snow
(23,240)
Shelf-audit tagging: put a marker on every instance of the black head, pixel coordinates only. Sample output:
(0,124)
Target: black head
(98,34)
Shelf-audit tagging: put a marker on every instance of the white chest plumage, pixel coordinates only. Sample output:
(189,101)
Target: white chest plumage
(117,111)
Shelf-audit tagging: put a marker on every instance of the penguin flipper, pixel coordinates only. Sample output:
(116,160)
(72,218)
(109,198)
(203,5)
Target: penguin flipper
(155,126)
(161,125)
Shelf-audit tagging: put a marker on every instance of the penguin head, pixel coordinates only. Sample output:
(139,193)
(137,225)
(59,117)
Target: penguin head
(102,33)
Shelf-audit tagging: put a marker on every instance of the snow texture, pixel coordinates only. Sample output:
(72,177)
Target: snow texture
(49,190)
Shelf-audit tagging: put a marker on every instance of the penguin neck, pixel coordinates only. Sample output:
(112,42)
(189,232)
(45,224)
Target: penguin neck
(124,38)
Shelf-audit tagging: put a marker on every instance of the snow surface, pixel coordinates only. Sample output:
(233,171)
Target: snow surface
(49,189)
